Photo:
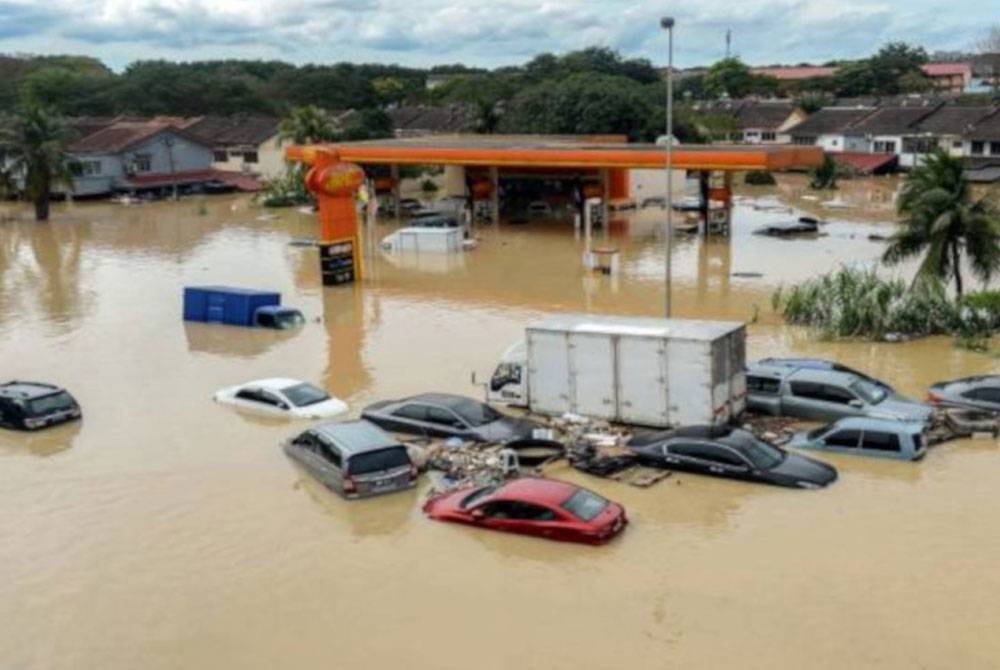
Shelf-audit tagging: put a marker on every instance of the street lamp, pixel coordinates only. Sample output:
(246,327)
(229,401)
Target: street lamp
(667,23)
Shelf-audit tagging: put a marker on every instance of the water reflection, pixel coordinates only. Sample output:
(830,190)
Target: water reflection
(385,515)
(43,443)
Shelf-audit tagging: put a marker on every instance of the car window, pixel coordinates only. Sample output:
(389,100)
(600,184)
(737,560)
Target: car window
(247,394)
(522,511)
(843,438)
(880,441)
(328,453)
(265,319)
(808,390)
(761,454)
(288,319)
(836,394)
(816,433)
(302,395)
(869,391)
(442,416)
(376,461)
(685,449)
(499,509)
(763,384)
(476,496)
(721,455)
(475,413)
(56,402)
(984,393)
(585,505)
(412,412)
(270,399)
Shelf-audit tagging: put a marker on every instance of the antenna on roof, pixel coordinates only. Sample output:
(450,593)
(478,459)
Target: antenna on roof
(729,41)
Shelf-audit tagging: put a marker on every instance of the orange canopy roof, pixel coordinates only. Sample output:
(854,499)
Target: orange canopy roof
(529,151)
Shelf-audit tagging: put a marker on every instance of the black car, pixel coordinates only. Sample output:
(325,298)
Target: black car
(34,405)
(446,415)
(730,452)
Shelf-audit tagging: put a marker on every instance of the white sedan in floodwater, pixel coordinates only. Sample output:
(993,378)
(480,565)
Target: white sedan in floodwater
(282,397)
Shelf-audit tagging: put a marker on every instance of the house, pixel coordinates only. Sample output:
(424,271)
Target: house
(949,125)
(984,136)
(139,156)
(949,77)
(416,121)
(756,121)
(893,129)
(830,128)
(244,144)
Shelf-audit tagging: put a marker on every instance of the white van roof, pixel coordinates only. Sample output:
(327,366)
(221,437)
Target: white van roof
(682,329)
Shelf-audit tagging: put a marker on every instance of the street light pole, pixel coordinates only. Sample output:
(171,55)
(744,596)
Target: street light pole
(667,23)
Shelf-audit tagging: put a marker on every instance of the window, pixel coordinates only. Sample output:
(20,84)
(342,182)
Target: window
(918,145)
(220,156)
(804,141)
(89,168)
(476,413)
(995,148)
(521,511)
(303,395)
(978,148)
(442,417)
(723,456)
(250,157)
(957,144)
(265,319)
(844,438)
(56,402)
(869,390)
(477,495)
(247,394)
(763,384)
(377,461)
(878,441)
(412,412)
(884,147)
(808,390)
(837,395)
(585,505)
(985,394)
(763,455)
(142,162)
(835,143)
(768,136)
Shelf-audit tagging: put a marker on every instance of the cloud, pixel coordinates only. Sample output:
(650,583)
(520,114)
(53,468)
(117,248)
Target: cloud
(498,32)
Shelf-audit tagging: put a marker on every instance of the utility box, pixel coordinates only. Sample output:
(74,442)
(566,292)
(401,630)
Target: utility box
(226,304)
(650,372)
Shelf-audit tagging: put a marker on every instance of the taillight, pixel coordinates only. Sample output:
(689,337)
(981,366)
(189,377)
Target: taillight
(934,398)
(349,486)
(413,472)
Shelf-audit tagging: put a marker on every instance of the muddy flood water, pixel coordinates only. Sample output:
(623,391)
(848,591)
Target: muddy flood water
(165,531)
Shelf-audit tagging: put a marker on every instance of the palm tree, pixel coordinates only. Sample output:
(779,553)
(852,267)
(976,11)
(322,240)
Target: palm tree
(942,220)
(306,125)
(34,144)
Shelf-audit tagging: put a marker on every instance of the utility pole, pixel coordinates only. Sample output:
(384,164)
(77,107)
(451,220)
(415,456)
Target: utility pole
(729,42)
(667,23)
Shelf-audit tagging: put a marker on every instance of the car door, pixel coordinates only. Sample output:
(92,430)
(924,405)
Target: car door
(842,440)
(326,461)
(686,456)
(499,515)
(724,462)
(804,400)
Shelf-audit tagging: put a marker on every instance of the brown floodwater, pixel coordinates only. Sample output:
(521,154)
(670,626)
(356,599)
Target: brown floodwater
(164,531)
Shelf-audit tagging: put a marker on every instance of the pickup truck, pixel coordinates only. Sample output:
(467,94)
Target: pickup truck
(825,395)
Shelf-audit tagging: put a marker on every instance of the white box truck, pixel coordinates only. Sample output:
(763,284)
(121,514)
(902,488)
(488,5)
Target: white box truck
(649,372)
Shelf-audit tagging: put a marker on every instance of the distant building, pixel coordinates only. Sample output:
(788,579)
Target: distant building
(246,144)
(796,73)
(138,155)
(416,121)
(949,77)
(758,121)
(893,130)
(830,128)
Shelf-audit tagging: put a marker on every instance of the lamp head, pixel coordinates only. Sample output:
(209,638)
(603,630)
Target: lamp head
(667,22)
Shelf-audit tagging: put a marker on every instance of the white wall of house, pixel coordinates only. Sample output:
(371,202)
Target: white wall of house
(269,161)
(98,174)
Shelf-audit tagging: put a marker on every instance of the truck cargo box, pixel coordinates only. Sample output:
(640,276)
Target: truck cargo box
(225,304)
(654,372)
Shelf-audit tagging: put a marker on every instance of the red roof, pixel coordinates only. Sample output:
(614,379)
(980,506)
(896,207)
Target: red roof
(867,163)
(796,73)
(947,69)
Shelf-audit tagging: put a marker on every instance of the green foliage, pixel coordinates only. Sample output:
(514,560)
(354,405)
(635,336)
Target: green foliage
(893,70)
(941,220)
(428,187)
(731,78)
(34,143)
(858,303)
(759,178)
(306,125)
(824,176)
(287,190)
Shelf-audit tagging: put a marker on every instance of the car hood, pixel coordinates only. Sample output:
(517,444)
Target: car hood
(901,407)
(507,428)
(805,469)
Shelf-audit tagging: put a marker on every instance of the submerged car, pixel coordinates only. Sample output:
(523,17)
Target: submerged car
(354,458)
(446,415)
(864,436)
(980,393)
(282,397)
(724,451)
(546,508)
(816,394)
(820,364)
(35,405)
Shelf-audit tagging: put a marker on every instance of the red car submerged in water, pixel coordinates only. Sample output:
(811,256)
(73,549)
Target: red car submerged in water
(533,506)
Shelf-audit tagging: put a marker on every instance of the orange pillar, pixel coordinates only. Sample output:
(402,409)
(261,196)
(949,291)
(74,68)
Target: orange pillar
(335,184)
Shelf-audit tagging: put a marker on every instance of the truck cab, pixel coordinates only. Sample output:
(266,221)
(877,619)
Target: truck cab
(276,316)
(508,384)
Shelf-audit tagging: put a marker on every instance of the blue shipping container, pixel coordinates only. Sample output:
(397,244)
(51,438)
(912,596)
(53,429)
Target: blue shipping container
(225,304)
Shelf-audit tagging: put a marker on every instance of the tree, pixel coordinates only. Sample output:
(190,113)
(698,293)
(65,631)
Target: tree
(389,90)
(893,70)
(306,125)
(728,78)
(34,144)
(824,176)
(942,220)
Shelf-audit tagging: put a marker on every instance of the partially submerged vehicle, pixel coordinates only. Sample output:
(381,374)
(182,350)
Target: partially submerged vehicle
(826,395)
(447,415)
(804,225)
(979,393)
(865,436)
(354,458)
(282,397)
(546,508)
(425,239)
(820,364)
(239,307)
(724,451)
(34,405)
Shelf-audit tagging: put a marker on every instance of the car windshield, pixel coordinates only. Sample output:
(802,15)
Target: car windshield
(475,413)
(477,495)
(869,391)
(764,456)
(585,505)
(376,461)
(302,395)
(289,319)
(56,402)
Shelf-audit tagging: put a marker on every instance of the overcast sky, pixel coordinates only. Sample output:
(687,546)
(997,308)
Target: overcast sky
(482,32)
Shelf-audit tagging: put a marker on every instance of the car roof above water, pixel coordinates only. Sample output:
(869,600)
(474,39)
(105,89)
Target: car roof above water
(882,425)
(27,390)
(537,489)
(810,374)
(356,437)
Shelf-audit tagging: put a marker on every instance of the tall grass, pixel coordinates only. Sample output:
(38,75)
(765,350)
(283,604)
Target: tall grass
(859,303)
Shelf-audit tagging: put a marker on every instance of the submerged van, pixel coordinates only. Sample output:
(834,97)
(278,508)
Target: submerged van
(357,459)
(866,436)
(34,405)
